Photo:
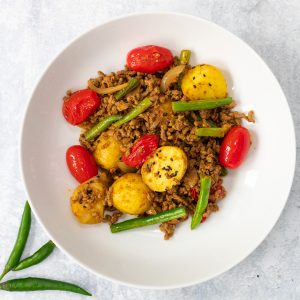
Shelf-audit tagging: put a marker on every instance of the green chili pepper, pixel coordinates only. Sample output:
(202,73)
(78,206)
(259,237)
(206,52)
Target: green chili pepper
(150,220)
(214,132)
(140,108)
(185,56)
(37,257)
(132,84)
(205,183)
(224,172)
(40,284)
(101,126)
(199,104)
(20,242)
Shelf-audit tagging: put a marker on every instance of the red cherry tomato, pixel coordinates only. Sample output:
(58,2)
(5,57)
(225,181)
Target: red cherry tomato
(141,150)
(80,105)
(234,147)
(149,59)
(81,163)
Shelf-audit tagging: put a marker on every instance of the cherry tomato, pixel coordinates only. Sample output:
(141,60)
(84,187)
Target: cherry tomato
(80,105)
(234,147)
(81,163)
(141,150)
(149,59)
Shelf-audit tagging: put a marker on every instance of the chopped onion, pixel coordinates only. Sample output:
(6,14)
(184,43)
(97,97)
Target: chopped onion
(109,90)
(170,77)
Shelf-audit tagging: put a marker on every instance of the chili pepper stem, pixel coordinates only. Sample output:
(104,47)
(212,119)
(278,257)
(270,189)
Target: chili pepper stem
(4,286)
(3,274)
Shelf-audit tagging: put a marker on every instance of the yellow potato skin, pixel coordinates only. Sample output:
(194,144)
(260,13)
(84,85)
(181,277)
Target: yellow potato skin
(164,168)
(130,194)
(86,211)
(204,82)
(108,151)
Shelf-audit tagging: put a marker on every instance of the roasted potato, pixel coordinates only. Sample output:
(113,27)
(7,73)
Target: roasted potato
(87,201)
(164,168)
(108,151)
(204,82)
(130,194)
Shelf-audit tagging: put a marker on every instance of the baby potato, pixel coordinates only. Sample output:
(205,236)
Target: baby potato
(130,194)
(164,168)
(108,151)
(87,201)
(204,82)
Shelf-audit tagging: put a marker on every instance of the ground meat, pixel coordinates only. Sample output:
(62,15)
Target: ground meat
(173,129)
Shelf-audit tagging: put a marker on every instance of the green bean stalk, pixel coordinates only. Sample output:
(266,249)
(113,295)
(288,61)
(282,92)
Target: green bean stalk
(132,84)
(140,108)
(179,106)
(185,56)
(37,257)
(41,284)
(161,217)
(20,243)
(213,132)
(202,203)
(101,126)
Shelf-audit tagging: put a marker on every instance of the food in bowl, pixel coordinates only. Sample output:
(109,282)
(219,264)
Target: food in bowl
(157,139)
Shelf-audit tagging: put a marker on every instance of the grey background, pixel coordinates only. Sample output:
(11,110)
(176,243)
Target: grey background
(32,32)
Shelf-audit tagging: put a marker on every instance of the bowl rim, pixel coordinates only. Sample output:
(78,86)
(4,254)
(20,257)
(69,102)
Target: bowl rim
(21,143)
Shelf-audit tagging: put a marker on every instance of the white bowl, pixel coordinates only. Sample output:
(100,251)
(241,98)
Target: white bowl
(257,191)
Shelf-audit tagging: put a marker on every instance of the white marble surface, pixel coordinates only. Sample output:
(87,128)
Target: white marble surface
(32,32)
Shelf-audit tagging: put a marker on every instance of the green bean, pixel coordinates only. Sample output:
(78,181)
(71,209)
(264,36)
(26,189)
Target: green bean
(101,126)
(141,107)
(185,56)
(150,220)
(199,104)
(132,84)
(211,123)
(40,284)
(37,257)
(205,183)
(224,172)
(20,243)
(214,132)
